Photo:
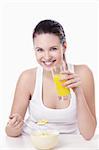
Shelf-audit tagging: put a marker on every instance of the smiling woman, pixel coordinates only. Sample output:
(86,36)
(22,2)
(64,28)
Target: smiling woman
(36,90)
(48,50)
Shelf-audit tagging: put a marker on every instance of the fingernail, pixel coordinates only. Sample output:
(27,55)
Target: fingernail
(10,117)
(68,86)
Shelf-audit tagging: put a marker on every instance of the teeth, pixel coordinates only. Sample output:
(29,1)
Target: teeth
(48,63)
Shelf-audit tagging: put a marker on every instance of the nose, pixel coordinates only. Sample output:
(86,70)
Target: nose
(47,55)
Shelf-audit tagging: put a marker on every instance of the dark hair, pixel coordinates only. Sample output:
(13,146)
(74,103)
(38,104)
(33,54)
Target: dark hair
(50,26)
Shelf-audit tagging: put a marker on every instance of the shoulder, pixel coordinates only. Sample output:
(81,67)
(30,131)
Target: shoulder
(27,74)
(84,72)
(27,80)
(82,69)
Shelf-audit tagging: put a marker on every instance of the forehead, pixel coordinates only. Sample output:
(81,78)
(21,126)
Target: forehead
(46,39)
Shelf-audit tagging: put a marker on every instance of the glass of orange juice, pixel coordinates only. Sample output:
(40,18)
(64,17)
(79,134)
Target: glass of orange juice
(63,92)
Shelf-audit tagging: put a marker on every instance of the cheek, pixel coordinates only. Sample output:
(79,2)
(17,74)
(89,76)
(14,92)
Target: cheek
(59,56)
(38,56)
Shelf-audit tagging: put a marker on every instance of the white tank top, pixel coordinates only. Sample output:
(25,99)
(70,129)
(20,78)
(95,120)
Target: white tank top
(64,120)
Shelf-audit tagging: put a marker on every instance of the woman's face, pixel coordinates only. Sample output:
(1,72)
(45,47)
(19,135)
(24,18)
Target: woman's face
(48,49)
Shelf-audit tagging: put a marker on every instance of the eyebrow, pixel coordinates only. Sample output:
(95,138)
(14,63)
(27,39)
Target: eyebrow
(49,47)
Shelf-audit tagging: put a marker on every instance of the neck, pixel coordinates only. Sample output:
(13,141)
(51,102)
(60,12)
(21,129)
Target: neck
(48,74)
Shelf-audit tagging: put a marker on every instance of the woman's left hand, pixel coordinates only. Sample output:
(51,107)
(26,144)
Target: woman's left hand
(72,80)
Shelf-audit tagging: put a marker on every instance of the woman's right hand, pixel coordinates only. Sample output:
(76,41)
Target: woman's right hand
(14,125)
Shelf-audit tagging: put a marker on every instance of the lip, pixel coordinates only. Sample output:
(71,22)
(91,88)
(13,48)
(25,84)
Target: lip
(48,63)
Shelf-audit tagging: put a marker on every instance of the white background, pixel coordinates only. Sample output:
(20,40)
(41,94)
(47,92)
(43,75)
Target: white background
(18,18)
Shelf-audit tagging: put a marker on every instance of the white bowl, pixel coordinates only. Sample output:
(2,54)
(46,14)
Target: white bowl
(45,139)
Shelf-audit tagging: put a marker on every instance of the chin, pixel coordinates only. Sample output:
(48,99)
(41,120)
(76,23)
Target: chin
(47,68)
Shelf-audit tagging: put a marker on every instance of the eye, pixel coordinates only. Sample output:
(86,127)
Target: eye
(39,50)
(53,49)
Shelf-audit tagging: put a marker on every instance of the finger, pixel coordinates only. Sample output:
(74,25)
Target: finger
(9,124)
(67,77)
(18,116)
(66,72)
(71,76)
(74,85)
(10,117)
(63,77)
(20,125)
(16,123)
(12,121)
(71,81)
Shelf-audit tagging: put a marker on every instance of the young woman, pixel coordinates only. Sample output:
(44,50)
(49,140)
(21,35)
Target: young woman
(36,90)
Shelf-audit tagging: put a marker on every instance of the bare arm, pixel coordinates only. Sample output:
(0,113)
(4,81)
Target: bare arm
(82,83)
(20,103)
(86,103)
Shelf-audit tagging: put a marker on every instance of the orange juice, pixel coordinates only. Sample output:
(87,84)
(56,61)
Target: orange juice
(61,90)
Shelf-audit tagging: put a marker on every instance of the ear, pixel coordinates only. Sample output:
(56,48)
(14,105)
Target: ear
(64,46)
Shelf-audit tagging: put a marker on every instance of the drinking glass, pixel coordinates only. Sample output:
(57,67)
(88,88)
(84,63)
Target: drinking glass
(57,73)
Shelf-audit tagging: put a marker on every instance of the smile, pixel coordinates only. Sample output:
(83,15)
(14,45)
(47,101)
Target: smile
(48,63)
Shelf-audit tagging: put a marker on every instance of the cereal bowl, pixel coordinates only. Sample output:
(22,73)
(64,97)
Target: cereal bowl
(45,139)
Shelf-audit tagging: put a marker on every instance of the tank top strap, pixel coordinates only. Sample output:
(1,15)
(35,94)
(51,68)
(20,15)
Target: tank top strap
(71,67)
(38,84)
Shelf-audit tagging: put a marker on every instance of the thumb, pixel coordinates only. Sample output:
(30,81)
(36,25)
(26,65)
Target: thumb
(11,116)
(14,115)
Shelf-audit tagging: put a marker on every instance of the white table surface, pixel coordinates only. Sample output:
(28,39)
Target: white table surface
(66,142)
